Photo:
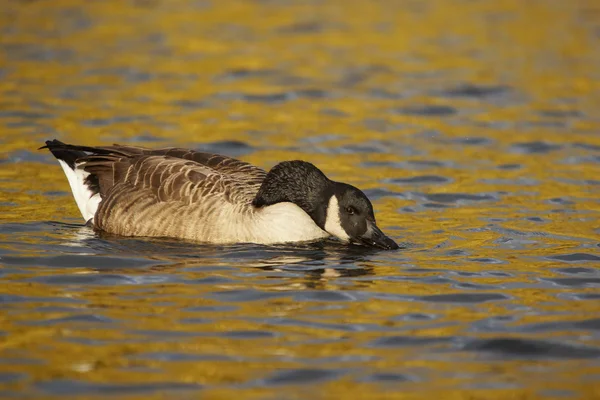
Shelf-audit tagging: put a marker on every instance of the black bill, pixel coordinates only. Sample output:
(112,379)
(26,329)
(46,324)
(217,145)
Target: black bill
(375,238)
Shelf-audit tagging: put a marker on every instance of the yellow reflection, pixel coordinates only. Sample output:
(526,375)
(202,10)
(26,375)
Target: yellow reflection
(103,72)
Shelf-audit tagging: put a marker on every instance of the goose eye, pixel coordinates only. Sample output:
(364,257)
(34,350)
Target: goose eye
(350,210)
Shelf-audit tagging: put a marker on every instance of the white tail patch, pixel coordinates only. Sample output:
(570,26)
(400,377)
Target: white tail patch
(86,200)
(333,224)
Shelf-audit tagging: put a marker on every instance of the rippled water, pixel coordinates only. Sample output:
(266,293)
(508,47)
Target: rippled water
(472,125)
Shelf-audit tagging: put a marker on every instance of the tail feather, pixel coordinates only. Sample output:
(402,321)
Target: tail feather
(62,152)
(83,185)
(60,147)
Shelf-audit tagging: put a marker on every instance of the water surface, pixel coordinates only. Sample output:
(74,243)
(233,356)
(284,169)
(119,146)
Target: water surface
(473,127)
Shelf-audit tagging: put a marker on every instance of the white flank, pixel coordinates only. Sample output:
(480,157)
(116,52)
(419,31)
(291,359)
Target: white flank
(86,200)
(332,222)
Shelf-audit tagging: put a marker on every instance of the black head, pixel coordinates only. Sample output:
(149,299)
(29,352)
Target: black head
(298,182)
(338,208)
(350,217)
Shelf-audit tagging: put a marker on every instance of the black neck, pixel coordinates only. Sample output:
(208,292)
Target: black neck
(298,182)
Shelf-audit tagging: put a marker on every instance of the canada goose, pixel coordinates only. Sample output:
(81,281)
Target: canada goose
(180,193)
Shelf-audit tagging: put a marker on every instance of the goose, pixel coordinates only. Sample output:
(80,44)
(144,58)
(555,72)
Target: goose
(205,197)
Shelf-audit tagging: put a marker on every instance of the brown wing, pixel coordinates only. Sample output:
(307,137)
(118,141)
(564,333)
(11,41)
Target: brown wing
(172,174)
(225,165)
(166,192)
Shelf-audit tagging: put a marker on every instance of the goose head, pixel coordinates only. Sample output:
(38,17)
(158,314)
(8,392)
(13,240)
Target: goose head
(340,209)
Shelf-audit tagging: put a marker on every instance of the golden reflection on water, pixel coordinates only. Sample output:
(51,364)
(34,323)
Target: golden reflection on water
(316,81)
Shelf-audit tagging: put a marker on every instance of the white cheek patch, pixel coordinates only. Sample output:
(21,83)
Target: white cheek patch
(332,222)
